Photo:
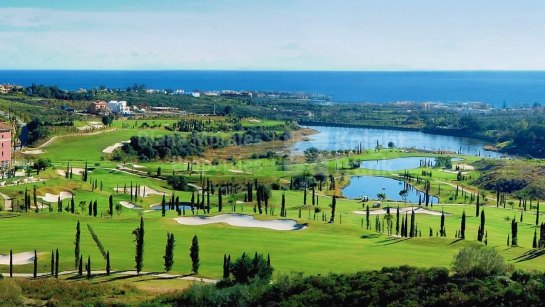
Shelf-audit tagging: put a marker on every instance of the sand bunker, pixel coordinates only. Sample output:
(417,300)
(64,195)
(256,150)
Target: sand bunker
(54,197)
(144,191)
(241,220)
(236,171)
(33,152)
(393,210)
(75,171)
(110,149)
(91,126)
(129,205)
(18,259)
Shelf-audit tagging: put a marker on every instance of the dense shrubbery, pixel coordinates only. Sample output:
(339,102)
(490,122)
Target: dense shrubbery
(402,286)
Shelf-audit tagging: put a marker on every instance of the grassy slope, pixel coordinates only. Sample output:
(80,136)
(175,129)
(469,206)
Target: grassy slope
(321,248)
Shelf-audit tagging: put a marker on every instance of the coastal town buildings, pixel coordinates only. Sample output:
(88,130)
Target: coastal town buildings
(5,145)
(98,107)
(119,107)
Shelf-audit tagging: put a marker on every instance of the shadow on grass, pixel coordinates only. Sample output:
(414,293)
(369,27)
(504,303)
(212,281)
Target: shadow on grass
(455,241)
(370,236)
(391,241)
(529,255)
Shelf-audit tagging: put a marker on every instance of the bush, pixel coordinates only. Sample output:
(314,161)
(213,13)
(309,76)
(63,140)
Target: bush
(10,292)
(246,270)
(479,261)
(179,183)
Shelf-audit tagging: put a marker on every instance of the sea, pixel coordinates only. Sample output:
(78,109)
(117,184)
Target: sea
(497,88)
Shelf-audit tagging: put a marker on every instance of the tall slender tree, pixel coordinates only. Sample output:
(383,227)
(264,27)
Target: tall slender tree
(10,263)
(35,262)
(463,226)
(514,233)
(108,265)
(88,267)
(194,254)
(57,263)
(169,252)
(111,205)
(139,238)
(77,245)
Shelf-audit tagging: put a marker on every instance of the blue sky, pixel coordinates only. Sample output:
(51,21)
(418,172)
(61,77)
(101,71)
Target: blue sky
(273,35)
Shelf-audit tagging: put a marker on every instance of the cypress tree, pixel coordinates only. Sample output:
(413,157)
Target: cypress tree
(108,266)
(226,267)
(52,263)
(442,226)
(163,206)
(80,266)
(463,226)
(111,205)
(95,208)
(91,208)
(397,221)
(88,267)
(77,245)
(72,205)
(283,206)
(481,232)
(412,230)
(477,206)
(537,214)
(57,263)
(367,217)
(194,254)
(59,204)
(10,263)
(514,232)
(534,242)
(139,238)
(169,252)
(35,271)
(333,205)
(220,200)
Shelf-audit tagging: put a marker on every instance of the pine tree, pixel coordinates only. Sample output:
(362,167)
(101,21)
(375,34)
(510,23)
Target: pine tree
(169,252)
(139,238)
(77,245)
(463,226)
(194,254)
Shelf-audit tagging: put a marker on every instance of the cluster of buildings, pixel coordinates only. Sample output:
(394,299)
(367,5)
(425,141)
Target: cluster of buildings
(5,145)
(112,106)
(6,88)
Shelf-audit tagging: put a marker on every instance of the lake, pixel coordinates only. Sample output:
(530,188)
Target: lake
(340,138)
(370,186)
(398,164)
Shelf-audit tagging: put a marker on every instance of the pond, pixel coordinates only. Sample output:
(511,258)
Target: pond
(370,186)
(398,164)
(340,138)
